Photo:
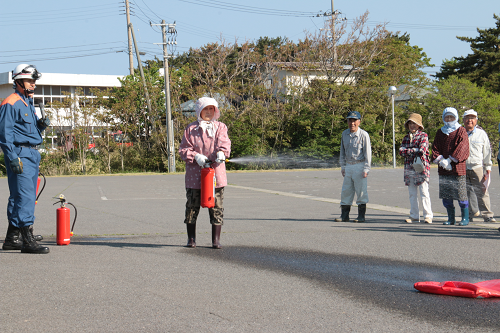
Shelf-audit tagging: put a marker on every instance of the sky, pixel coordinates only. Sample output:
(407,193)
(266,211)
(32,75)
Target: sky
(90,37)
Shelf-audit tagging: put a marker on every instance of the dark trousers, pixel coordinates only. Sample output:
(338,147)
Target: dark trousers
(193,203)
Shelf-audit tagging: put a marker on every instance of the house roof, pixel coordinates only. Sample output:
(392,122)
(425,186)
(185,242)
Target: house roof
(294,65)
(79,80)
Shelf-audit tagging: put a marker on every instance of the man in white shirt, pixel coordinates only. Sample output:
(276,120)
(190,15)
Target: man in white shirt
(355,163)
(478,168)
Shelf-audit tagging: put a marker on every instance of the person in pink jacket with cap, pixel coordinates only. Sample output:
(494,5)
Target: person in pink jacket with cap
(205,139)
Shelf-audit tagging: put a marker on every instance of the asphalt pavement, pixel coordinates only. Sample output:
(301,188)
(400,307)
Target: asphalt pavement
(285,266)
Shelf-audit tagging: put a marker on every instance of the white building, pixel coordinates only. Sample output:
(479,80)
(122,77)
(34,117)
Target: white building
(290,77)
(55,86)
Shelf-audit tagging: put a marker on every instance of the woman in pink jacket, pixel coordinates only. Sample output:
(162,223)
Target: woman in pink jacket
(205,139)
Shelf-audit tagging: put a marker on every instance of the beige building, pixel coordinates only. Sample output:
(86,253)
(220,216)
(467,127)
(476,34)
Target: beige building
(286,78)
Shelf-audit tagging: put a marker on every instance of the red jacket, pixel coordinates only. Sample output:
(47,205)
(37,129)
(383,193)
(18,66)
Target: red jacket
(455,145)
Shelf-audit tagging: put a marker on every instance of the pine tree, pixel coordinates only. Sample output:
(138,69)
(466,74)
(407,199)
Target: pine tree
(483,65)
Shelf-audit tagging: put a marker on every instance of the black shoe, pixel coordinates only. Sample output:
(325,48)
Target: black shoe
(29,243)
(12,241)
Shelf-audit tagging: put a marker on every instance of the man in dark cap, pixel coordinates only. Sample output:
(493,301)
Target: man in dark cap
(355,163)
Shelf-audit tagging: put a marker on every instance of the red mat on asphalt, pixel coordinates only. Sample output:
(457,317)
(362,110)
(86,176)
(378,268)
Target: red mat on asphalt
(490,288)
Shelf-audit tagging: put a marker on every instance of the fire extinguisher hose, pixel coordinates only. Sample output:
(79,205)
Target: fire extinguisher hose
(43,186)
(76,213)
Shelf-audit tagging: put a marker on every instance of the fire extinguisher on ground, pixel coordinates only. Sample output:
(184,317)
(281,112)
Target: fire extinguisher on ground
(63,218)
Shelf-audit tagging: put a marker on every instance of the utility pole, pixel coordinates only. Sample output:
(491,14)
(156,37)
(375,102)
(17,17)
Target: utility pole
(334,17)
(169,124)
(131,29)
(130,55)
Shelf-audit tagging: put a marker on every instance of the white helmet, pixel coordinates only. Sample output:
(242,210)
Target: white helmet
(25,71)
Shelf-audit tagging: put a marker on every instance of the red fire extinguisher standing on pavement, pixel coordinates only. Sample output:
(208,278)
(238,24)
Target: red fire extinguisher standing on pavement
(63,218)
(208,187)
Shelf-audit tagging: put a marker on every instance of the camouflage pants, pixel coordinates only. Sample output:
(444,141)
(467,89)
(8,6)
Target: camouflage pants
(193,203)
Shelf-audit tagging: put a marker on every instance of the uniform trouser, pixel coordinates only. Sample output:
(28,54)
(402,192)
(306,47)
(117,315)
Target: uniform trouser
(426,200)
(193,203)
(354,182)
(479,201)
(22,187)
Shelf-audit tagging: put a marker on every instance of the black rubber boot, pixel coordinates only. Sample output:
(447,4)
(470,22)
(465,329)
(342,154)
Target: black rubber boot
(191,232)
(361,213)
(216,236)
(344,216)
(12,241)
(37,237)
(29,243)
(451,216)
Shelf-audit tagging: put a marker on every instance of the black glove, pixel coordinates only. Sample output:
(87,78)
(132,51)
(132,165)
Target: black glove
(44,122)
(16,165)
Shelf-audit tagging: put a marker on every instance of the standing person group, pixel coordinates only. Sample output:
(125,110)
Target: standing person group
(463,156)
(20,134)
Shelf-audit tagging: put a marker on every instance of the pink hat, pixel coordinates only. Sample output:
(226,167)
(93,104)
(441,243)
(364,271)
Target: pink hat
(204,102)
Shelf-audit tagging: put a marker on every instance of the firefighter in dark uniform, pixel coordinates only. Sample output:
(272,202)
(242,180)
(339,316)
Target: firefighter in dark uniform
(20,134)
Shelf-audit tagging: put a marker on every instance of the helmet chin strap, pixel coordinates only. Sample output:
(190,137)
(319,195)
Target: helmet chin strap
(27,91)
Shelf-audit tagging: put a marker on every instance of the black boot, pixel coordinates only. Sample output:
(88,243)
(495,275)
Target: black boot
(216,236)
(37,237)
(191,232)
(361,213)
(29,243)
(12,241)
(344,217)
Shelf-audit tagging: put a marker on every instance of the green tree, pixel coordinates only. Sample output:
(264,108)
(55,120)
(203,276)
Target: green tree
(463,95)
(483,65)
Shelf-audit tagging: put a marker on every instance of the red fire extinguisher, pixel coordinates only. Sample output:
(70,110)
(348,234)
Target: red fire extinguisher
(63,217)
(208,187)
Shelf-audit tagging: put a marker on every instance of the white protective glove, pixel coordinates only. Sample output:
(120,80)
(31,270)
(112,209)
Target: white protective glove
(445,163)
(200,159)
(220,157)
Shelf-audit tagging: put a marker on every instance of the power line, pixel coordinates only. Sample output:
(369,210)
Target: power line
(66,52)
(55,58)
(425,26)
(154,13)
(63,47)
(27,16)
(250,9)
(66,18)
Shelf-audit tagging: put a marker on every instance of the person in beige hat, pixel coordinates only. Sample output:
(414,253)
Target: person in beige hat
(416,145)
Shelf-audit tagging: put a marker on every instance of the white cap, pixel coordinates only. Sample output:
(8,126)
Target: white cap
(470,112)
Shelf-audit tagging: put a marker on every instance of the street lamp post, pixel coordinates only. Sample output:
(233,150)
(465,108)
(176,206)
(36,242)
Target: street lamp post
(392,91)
